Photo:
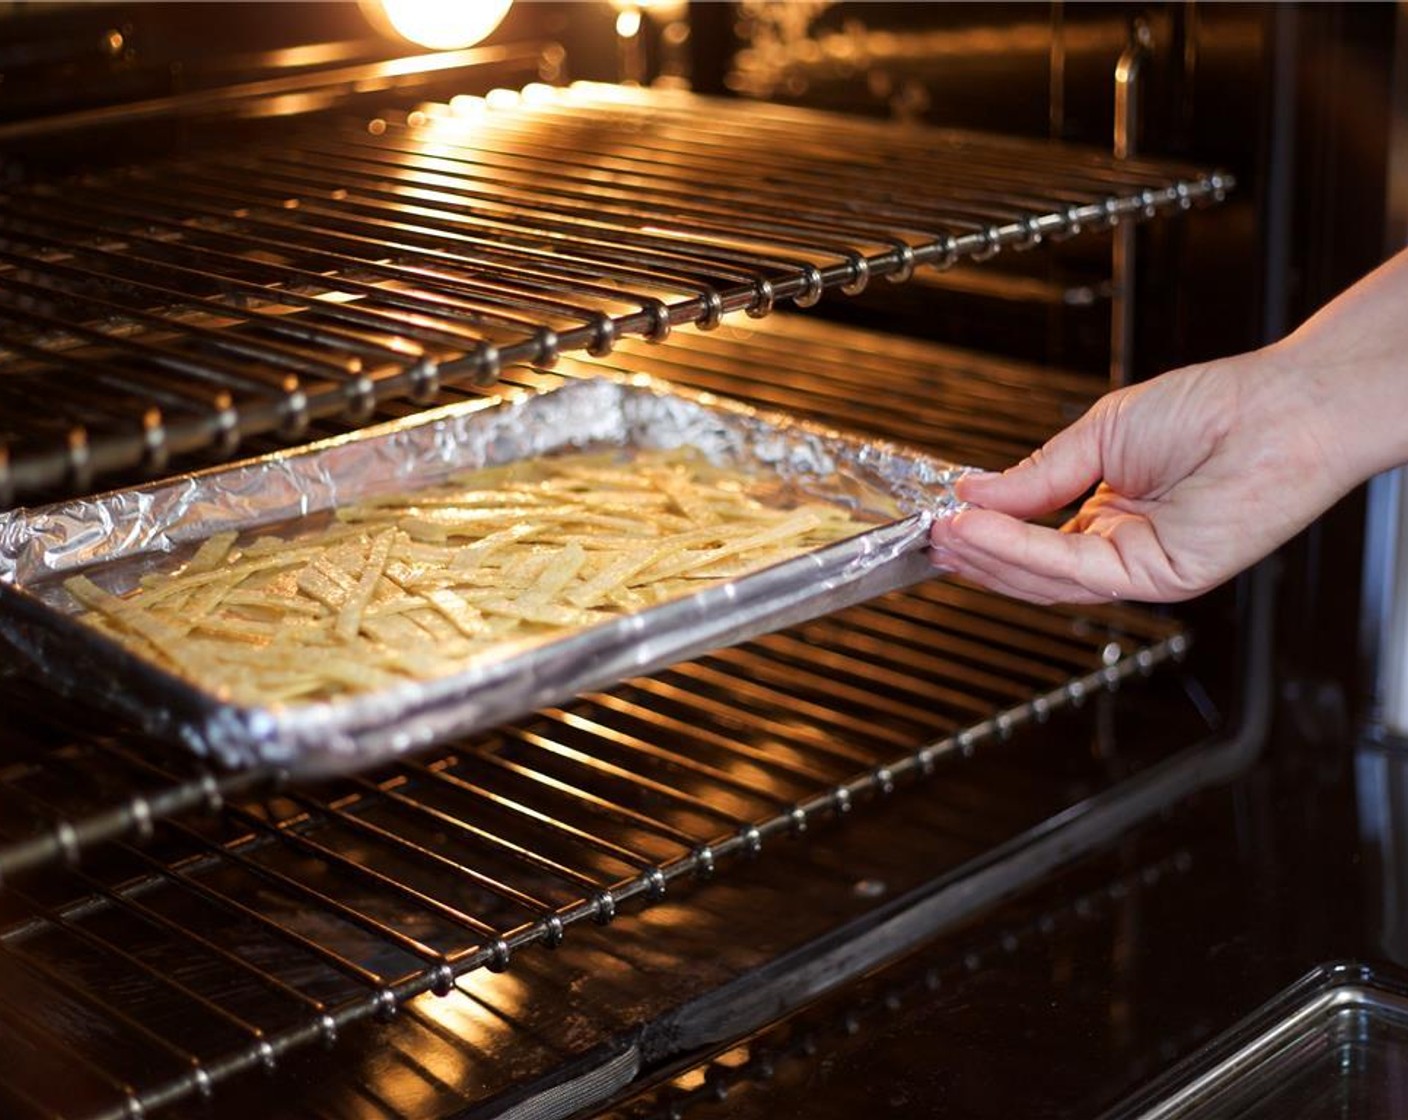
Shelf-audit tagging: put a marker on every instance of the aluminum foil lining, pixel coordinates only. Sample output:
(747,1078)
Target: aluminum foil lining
(116,537)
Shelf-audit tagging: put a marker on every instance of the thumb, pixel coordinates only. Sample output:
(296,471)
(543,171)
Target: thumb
(1055,475)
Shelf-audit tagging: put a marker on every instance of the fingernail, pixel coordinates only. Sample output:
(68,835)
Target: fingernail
(973,476)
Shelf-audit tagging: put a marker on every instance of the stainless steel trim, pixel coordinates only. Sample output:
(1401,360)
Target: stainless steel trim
(1128,113)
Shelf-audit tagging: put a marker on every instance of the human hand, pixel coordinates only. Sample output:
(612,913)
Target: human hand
(1201,472)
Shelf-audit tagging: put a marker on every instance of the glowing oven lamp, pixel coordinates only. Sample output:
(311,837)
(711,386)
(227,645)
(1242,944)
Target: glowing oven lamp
(443,25)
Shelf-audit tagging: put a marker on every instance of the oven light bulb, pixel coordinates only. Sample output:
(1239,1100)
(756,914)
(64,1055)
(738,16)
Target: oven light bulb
(444,25)
(628,23)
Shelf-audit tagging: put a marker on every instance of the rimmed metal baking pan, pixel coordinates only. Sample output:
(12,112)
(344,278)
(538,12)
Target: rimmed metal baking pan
(116,536)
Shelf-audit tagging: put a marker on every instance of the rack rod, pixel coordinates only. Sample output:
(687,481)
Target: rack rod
(150,313)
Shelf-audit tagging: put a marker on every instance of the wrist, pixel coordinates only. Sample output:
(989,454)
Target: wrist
(1356,407)
(1351,362)
(1289,422)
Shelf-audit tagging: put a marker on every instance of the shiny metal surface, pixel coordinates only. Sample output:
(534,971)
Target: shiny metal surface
(289,95)
(1384,621)
(1128,117)
(1384,611)
(191,304)
(1335,1043)
(798,1049)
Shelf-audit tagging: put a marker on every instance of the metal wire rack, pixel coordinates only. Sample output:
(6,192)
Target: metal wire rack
(238,939)
(189,305)
(181,948)
(443,1057)
(985,411)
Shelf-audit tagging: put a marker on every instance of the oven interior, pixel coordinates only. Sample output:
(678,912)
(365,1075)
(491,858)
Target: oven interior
(219,245)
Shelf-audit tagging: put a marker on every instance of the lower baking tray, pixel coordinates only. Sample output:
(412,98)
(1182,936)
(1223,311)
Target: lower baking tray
(1335,1044)
(115,538)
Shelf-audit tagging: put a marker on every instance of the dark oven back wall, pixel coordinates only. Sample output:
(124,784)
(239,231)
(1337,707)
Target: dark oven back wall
(1043,70)
(1293,99)
(1048,70)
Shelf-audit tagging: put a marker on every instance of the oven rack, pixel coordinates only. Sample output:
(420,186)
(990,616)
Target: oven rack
(338,904)
(151,313)
(974,408)
(435,1059)
(133,794)
(592,1011)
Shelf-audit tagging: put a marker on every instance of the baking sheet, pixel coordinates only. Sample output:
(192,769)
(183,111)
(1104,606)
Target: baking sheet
(114,538)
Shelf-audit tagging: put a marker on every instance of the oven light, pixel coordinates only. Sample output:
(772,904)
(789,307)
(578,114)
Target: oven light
(443,25)
(628,23)
(661,9)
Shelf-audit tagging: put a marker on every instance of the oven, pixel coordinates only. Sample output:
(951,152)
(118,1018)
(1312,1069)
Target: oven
(934,853)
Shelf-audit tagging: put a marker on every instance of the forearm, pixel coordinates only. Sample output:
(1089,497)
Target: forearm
(1348,367)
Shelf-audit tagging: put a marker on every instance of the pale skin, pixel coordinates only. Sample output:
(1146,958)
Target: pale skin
(1201,471)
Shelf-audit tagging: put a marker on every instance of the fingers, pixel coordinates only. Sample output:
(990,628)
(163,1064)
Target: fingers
(1016,583)
(1034,563)
(1054,476)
